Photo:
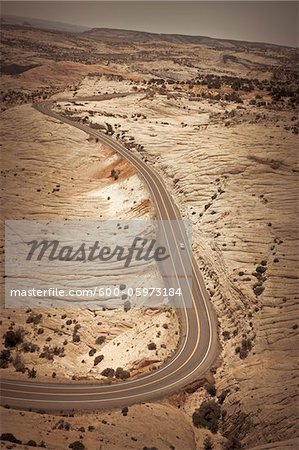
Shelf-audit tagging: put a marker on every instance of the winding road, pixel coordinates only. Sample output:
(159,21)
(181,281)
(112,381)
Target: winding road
(198,346)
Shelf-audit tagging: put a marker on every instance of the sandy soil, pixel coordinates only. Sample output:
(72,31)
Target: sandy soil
(109,430)
(235,179)
(228,157)
(53,171)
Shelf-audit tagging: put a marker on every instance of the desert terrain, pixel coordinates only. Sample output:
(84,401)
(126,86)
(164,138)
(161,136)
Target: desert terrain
(219,121)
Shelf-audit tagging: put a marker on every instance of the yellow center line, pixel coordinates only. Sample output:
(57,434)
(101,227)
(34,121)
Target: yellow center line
(136,162)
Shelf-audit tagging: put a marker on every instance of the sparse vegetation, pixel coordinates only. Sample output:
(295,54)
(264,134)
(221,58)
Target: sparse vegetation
(207,416)
(127,306)
(226,335)
(18,363)
(31,443)
(13,338)
(34,318)
(9,437)
(152,346)
(29,347)
(92,351)
(208,444)
(77,445)
(244,349)
(4,359)
(211,389)
(122,374)
(50,352)
(98,359)
(108,372)
(76,338)
(32,373)
(100,340)
(115,174)
(206,89)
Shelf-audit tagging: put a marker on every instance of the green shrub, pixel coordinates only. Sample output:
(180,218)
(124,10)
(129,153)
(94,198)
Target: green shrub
(211,389)
(13,338)
(34,318)
(32,373)
(122,374)
(10,438)
(77,445)
(207,416)
(208,444)
(4,359)
(108,372)
(18,363)
(98,359)
(152,346)
(100,340)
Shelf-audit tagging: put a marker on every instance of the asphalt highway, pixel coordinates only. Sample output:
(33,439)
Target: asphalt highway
(198,345)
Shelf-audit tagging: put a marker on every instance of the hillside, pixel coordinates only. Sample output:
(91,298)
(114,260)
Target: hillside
(121,36)
(218,120)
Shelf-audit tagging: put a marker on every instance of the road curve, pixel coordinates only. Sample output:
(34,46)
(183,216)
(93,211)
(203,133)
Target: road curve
(198,346)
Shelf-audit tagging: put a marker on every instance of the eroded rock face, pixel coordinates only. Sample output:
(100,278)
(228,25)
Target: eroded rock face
(149,425)
(53,171)
(222,134)
(237,184)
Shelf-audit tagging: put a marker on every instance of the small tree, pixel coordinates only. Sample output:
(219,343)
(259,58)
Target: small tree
(77,445)
(208,443)
(76,338)
(4,359)
(100,340)
(34,318)
(31,443)
(127,306)
(207,416)
(211,389)
(122,374)
(18,363)
(152,346)
(115,174)
(108,372)
(98,359)
(13,338)
(29,347)
(32,373)
(10,438)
